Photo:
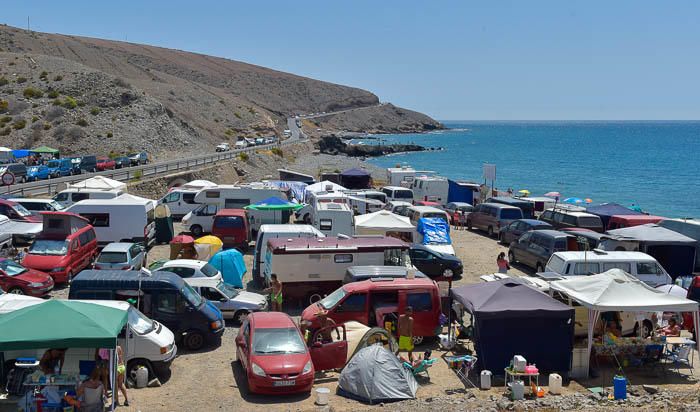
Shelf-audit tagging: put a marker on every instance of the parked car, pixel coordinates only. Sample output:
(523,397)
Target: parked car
(88,164)
(15,278)
(60,167)
(223,147)
(436,265)
(561,218)
(491,217)
(140,158)
(38,205)
(17,212)
(270,140)
(272,352)
(514,230)
(122,161)
(38,172)
(105,163)
(18,171)
(534,248)
(453,207)
(241,144)
(259,141)
(231,226)
(398,207)
(233,303)
(187,268)
(121,256)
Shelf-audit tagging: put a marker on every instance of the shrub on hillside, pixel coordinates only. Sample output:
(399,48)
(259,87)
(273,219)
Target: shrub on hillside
(6,131)
(58,78)
(70,103)
(243,156)
(4,81)
(19,124)
(82,122)
(43,75)
(4,105)
(109,134)
(54,113)
(95,111)
(34,119)
(52,94)
(47,126)
(277,151)
(21,79)
(32,93)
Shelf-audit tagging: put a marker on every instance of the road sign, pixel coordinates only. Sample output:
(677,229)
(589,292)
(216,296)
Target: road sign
(8,179)
(489,171)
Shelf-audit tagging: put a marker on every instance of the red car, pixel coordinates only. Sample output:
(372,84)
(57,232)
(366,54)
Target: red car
(15,278)
(428,203)
(15,211)
(105,163)
(231,226)
(272,351)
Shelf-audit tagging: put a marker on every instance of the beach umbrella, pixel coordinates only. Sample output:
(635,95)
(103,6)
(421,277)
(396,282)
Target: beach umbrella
(573,200)
(183,239)
(552,194)
(524,192)
(673,290)
(207,246)
(588,200)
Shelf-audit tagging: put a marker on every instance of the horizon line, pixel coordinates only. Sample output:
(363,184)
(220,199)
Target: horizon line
(568,120)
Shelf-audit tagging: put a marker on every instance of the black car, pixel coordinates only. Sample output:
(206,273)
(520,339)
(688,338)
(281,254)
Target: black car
(515,229)
(88,164)
(18,171)
(534,248)
(122,161)
(436,265)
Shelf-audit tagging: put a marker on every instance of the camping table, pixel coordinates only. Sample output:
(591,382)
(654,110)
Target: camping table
(462,364)
(512,375)
(59,380)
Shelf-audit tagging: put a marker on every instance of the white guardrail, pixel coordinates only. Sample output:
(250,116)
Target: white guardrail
(127,174)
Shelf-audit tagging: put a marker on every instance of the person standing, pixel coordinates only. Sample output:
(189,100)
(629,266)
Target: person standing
(502,263)
(121,377)
(52,361)
(275,290)
(405,331)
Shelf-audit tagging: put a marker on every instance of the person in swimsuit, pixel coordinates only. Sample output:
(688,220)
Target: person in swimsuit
(275,290)
(52,359)
(405,331)
(121,377)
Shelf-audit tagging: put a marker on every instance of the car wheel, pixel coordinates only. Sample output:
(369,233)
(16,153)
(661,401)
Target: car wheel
(417,340)
(70,277)
(307,219)
(16,291)
(469,225)
(489,231)
(448,273)
(647,328)
(194,340)
(539,267)
(134,365)
(502,238)
(196,230)
(240,316)
(511,256)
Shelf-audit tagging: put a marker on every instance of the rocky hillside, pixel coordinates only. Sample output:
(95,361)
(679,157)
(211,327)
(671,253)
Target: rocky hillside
(90,95)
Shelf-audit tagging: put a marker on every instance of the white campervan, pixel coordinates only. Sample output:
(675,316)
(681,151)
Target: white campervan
(125,218)
(430,189)
(268,232)
(333,219)
(637,264)
(415,213)
(398,193)
(180,199)
(73,195)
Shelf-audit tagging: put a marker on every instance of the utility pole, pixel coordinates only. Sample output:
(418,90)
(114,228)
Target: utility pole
(28,24)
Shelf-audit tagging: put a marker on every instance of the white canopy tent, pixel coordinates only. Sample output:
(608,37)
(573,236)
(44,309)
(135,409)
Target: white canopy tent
(99,182)
(616,290)
(382,223)
(325,186)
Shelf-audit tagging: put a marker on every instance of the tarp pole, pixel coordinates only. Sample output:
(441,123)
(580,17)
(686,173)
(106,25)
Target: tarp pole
(696,325)
(113,374)
(592,319)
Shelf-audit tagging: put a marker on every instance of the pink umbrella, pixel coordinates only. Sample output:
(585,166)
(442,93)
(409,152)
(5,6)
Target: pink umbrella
(553,194)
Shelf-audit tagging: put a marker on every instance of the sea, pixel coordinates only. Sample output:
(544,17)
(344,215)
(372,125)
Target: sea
(652,164)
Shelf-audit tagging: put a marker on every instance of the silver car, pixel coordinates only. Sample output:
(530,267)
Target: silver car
(121,256)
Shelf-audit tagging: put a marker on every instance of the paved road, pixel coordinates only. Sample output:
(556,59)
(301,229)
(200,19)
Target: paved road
(297,133)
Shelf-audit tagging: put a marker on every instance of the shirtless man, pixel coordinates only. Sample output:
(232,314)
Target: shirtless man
(405,331)
(275,290)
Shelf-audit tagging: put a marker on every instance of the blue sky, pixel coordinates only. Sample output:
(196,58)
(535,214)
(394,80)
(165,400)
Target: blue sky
(450,59)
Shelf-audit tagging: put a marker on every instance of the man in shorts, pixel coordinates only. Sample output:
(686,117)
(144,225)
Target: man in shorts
(275,291)
(405,331)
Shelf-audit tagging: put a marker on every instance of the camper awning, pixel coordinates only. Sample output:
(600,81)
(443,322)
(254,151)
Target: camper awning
(650,234)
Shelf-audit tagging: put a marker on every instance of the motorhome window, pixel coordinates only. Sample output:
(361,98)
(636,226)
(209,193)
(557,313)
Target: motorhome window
(353,303)
(331,300)
(188,198)
(589,221)
(56,224)
(229,222)
(212,194)
(342,258)
(49,247)
(403,194)
(586,268)
(511,214)
(97,219)
(77,197)
(376,196)
(570,220)
(326,224)
(236,203)
(191,295)
(386,191)
(420,302)
(168,302)
(139,322)
(648,268)
(625,266)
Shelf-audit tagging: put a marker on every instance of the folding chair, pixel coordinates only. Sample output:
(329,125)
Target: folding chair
(421,368)
(682,356)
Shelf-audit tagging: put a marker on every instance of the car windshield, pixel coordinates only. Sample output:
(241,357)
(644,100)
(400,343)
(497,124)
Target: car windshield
(193,297)
(32,169)
(56,206)
(54,163)
(403,194)
(112,257)
(331,300)
(49,247)
(277,341)
(209,270)
(228,290)
(11,268)
(21,210)
(139,322)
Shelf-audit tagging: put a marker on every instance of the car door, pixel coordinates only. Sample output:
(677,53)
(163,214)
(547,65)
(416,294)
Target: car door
(169,308)
(353,307)
(329,355)
(243,344)
(423,261)
(425,319)
(520,246)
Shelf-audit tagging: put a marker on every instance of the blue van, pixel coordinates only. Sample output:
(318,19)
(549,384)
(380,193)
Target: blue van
(37,172)
(60,167)
(165,298)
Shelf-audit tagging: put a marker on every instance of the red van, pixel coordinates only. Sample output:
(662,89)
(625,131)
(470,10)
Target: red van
(66,245)
(377,301)
(15,211)
(231,226)
(620,221)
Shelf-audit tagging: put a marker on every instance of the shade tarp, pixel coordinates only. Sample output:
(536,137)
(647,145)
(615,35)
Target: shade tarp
(296,189)
(650,234)
(356,179)
(274,203)
(99,182)
(61,324)
(20,153)
(383,220)
(376,375)
(45,150)
(606,210)
(231,265)
(435,231)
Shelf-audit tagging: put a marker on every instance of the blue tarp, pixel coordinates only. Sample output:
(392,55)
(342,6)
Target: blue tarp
(435,231)
(298,189)
(231,265)
(607,210)
(460,192)
(20,153)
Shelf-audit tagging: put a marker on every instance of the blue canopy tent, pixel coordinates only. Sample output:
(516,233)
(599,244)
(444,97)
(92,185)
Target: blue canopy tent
(435,231)
(607,210)
(231,265)
(20,153)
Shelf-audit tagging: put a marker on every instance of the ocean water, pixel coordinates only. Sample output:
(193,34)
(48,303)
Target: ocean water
(655,165)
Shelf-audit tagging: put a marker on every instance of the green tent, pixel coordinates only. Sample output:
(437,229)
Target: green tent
(61,324)
(274,203)
(45,150)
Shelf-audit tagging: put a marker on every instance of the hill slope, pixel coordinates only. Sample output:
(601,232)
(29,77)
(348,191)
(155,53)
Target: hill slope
(98,95)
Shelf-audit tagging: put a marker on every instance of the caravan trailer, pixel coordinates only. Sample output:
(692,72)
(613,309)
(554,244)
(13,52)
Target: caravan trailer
(180,199)
(333,219)
(431,189)
(312,267)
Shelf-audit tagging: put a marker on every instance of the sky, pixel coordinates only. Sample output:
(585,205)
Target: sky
(453,60)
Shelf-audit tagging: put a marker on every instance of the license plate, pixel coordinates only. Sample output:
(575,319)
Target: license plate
(284,383)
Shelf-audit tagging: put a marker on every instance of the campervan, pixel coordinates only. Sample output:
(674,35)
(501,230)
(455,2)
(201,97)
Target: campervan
(162,296)
(687,227)
(637,264)
(144,342)
(561,218)
(306,213)
(362,205)
(333,219)
(403,176)
(312,267)
(268,232)
(398,193)
(125,218)
(415,213)
(430,188)
(528,208)
(180,199)
(72,195)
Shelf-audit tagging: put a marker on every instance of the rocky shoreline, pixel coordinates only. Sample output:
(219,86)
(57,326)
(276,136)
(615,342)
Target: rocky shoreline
(333,145)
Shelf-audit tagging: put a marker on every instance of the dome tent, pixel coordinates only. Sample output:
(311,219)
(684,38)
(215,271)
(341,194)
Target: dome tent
(376,375)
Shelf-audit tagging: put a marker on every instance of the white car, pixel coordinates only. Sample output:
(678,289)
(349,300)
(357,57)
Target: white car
(223,147)
(233,303)
(189,268)
(241,144)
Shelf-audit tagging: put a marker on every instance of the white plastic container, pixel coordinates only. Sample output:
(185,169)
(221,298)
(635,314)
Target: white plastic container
(141,377)
(554,383)
(485,379)
(518,389)
(322,396)
(519,363)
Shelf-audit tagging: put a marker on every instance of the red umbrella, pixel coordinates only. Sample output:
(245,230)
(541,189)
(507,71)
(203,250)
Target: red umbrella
(184,239)
(553,194)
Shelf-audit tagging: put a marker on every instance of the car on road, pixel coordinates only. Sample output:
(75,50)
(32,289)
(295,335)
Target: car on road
(18,171)
(15,278)
(223,147)
(105,163)
(514,230)
(121,256)
(534,248)
(259,141)
(140,158)
(270,140)
(87,164)
(272,352)
(436,265)
(38,172)
(187,268)
(122,161)
(241,144)
(60,167)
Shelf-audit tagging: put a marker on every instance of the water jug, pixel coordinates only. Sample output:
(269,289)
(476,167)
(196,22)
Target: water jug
(620,387)
(485,379)
(518,389)
(554,384)
(141,377)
